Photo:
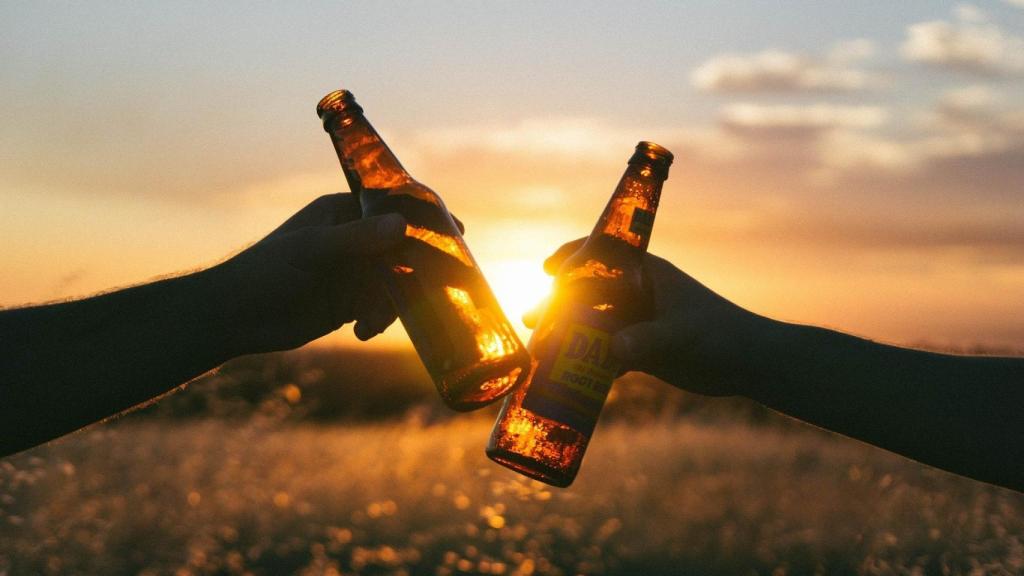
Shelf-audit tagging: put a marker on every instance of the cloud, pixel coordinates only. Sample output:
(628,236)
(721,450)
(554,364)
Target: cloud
(559,137)
(969,126)
(534,169)
(846,151)
(556,140)
(966,231)
(969,135)
(780,71)
(970,122)
(852,50)
(1017,3)
(970,44)
(766,121)
(975,109)
(969,13)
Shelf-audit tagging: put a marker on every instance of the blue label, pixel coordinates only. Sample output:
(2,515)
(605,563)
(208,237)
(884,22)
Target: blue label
(575,370)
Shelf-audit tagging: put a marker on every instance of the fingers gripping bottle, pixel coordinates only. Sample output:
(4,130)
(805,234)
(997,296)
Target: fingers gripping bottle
(545,425)
(461,334)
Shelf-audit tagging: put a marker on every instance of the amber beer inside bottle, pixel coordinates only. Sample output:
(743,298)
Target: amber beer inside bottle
(545,425)
(456,325)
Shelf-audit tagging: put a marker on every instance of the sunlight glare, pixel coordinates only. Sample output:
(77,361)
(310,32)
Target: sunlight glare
(519,286)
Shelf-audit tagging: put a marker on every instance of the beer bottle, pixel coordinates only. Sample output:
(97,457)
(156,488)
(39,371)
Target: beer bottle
(544,426)
(461,334)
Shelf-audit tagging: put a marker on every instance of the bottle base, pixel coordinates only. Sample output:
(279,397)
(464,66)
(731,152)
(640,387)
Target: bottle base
(531,468)
(493,380)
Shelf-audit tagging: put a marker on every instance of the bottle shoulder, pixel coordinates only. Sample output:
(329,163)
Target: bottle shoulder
(603,256)
(608,275)
(426,216)
(418,191)
(412,192)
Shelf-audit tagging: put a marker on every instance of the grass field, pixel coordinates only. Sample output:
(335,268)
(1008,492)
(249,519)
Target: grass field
(264,497)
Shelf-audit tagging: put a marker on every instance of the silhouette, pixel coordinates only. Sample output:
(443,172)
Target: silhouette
(70,364)
(958,413)
(67,365)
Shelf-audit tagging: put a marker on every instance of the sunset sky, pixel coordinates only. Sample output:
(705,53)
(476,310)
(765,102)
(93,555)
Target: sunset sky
(857,165)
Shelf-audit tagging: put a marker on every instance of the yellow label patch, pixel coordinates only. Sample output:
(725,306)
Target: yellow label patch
(584,362)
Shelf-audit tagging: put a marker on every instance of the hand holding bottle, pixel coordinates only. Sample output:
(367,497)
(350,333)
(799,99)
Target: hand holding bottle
(308,277)
(454,321)
(958,413)
(697,340)
(544,428)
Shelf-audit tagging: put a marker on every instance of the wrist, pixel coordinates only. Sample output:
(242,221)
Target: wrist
(793,360)
(220,305)
(767,343)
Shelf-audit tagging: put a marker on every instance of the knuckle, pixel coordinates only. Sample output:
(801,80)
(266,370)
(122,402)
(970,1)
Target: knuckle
(331,199)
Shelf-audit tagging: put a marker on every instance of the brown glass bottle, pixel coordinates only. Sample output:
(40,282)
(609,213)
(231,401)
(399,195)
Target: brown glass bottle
(543,428)
(461,334)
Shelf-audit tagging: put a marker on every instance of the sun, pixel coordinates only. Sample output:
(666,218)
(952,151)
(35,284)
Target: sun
(519,285)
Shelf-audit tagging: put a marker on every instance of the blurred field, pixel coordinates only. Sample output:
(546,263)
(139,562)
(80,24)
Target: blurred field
(205,497)
(316,462)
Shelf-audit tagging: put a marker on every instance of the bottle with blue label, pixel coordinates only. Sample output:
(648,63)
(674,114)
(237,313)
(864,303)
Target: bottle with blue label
(546,423)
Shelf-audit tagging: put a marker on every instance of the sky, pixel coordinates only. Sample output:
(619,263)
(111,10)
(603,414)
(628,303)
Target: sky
(858,166)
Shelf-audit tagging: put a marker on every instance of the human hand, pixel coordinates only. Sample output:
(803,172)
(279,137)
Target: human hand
(697,339)
(308,277)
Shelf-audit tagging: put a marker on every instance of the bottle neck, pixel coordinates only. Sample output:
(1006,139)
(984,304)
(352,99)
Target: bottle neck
(365,158)
(629,215)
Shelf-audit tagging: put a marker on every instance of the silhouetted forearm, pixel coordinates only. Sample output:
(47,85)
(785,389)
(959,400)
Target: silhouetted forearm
(959,413)
(66,365)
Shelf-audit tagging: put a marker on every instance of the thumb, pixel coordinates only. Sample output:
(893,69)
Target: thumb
(372,235)
(642,345)
(532,316)
(312,248)
(553,262)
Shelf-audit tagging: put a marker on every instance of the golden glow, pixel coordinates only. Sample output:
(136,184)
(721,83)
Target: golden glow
(99,207)
(502,382)
(399,269)
(450,245)
(519,286)
(362,149)
(603,307)
(535,446)
(62,239)
(620,216)
(417,191)
(491,344)
(462,301)
(521,430)
(593,269)
(376,170)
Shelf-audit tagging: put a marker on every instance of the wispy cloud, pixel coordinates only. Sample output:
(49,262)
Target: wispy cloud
(797,120)
(969,126)
(972,126)
(557,136)
(781,71)
(846,151)
(977,109)
(970,43)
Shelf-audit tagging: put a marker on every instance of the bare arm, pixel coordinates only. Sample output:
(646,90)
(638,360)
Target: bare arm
(959,413)
(66,365)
